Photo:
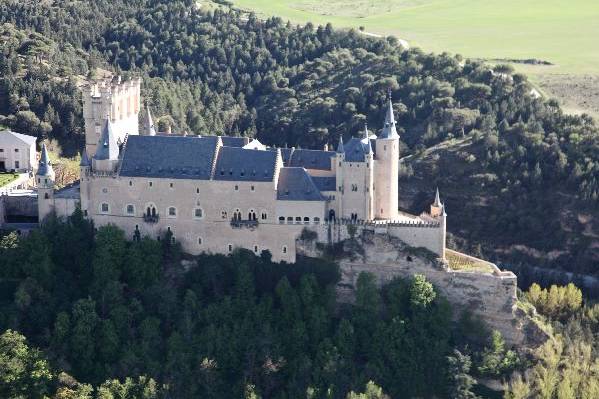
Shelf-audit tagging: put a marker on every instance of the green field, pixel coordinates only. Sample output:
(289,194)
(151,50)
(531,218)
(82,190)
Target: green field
(564,32)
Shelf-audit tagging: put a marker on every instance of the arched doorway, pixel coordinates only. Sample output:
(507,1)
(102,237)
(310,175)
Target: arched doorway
(331,215)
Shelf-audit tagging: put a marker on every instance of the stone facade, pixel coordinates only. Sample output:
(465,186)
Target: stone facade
(17,152)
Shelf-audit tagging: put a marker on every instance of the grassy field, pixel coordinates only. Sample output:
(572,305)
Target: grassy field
(563,32)
(6,178)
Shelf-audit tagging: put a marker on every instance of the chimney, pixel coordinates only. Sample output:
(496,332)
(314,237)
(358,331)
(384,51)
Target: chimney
(326,146)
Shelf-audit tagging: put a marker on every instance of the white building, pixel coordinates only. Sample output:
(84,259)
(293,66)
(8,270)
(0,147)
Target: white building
(17,152)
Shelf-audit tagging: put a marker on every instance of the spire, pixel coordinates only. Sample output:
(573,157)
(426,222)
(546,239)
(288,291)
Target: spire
(437,199)
(368,147)
(148,123)
(45,167)
(389,130)
(84,159)
(108,147)
(340,149)
(366,134)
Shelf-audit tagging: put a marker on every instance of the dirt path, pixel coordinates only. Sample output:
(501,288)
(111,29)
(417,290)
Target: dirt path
(402,42)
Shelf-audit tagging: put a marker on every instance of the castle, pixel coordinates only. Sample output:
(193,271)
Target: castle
(214,194)
(217,193)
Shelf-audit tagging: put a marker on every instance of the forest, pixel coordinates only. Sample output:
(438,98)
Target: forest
(532,170)
(98,308)
(89,313)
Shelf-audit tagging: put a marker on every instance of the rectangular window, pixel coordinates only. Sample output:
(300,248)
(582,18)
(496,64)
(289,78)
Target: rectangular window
(16,150)
(17,166)
(130,209)
(198,213)
(104,208)
(1,149)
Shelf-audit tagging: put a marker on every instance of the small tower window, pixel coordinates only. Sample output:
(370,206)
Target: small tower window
(236,187)
(150,183)
(130,209)
(252,188)
(104,208)
(130,183)
(198,213)
(284,249)
(264,216)
(281,219)
(197,190)
(223,214)
(46,196)
(199,240)
(316,220)
(255,249)
(172,211)
(170,185)
(306,220)
(230,247)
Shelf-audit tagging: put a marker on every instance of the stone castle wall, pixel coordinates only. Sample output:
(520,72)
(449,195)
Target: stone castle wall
(490,296)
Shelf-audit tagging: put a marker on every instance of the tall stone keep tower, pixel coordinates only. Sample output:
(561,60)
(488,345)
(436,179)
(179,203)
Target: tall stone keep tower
(387,169)
(44,179)
(110,100)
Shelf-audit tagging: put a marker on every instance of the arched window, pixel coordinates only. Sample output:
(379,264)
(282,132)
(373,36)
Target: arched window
(198,213)
(298,219)
(252,215)
(223,214)
(104,208)
(199,240)
(281,219)
(289,220)
(306,220)
(230,247)
(172,212)
(316,220)
(284,249)
(255,249)
(264,215)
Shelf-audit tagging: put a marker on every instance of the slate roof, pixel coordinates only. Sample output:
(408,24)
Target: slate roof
(174,157)
(45,166)
(325,183)
(240,164)
(295,184)
(71,191)
(229,141)
(29,140)
(355,150)
(311,159)
(108,147)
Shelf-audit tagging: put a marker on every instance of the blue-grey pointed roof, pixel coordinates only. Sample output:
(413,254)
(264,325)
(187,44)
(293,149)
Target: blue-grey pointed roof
(311,159)
(356,150)
(295,184)
(437,199)
(174,157)
(84,159)
(240,164)
(389,129)
(340,148)
(148,123)
(325,183)
(45,166)
(108,147)
(286,155)
(230,141)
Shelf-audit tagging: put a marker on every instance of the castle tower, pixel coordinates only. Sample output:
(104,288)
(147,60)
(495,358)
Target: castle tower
(45,178)
(114,100)
(84,174)
(369,183)
(438,212)
(387,169)
(339,159)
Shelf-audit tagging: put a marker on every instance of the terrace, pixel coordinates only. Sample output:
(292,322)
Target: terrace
(465,263)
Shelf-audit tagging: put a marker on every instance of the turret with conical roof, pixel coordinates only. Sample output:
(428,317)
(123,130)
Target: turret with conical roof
(387,168)
(389,129)
(84,159)
(45,185)
(437,208)
(148,123)
(340,149)
(45,166)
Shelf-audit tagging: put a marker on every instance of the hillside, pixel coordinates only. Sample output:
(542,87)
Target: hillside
(215,72)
